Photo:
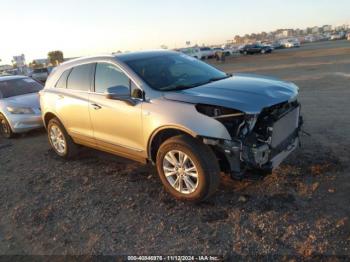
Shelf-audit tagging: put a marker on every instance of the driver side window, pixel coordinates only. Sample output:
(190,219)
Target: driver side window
(108,75)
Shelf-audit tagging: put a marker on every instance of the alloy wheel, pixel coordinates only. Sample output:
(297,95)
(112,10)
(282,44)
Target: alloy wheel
(57,139)
(180,171)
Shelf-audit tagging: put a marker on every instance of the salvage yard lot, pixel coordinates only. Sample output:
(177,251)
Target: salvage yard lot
(103,204)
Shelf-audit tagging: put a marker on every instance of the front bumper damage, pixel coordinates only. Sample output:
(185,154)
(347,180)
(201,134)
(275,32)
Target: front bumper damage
(255,153)
(262,157)
(22,122)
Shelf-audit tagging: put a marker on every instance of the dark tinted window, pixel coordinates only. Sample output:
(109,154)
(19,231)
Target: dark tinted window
(17,87)
(62,82)
(40,70)
(174,71)
(108,75)
(80,77)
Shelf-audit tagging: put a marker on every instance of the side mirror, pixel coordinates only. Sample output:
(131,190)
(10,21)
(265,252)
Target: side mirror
(137,93)
(118,91)
(121,93)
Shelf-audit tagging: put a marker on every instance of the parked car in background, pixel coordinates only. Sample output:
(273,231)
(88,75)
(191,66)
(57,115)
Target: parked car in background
(14,71)
(192,51)
(227,51)
(4,73)
(268,45)
(19,105)
(188,118)
(255,49)
(207,52)
(218,51)
(338,36)
(40,74)
(290,43)
(231,48)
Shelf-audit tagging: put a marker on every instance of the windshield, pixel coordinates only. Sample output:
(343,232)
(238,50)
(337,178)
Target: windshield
(174,72)
(17,87)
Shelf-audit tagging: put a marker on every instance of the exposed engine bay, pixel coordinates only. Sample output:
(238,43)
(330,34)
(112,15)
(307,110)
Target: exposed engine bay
(258,141)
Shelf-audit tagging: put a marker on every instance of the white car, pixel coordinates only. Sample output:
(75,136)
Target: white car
(192,51)
(207,52)
(338,36)
(290,43)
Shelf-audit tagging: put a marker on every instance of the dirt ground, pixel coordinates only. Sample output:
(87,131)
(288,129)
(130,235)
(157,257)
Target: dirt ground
(103,204)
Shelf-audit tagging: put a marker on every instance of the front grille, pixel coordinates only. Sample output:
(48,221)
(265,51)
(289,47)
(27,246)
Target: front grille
(284,127)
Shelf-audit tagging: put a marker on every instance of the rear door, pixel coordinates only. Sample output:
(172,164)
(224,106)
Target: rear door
(72,104)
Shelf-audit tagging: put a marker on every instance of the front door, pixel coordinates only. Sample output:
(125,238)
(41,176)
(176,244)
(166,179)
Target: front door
(117,125)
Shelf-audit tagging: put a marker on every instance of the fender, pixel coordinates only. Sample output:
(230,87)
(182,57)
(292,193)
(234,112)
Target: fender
(159,129)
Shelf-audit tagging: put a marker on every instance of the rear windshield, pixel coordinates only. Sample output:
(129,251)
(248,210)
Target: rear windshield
(17,87)
(40,70)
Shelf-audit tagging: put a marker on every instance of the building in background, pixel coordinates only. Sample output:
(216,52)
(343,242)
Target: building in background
(315,30)
(326,28)
(20,63)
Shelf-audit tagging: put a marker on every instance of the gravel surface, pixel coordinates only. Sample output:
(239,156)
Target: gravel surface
(103,204)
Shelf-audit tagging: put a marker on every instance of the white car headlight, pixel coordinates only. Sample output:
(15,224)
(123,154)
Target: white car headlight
(20,110)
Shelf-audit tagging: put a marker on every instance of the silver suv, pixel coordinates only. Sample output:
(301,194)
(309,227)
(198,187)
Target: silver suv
(187,117)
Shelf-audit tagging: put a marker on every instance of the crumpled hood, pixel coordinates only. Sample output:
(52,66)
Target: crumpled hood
(27,100)
(244,92)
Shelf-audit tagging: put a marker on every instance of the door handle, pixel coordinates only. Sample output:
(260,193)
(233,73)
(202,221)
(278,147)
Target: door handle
(96,106)
(60,96)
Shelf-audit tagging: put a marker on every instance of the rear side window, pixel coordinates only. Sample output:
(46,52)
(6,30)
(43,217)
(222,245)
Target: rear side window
(80,77)
(62,82)
(108,75)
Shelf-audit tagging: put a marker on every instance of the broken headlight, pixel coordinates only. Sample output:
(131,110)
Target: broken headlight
(232,119)
(218,112)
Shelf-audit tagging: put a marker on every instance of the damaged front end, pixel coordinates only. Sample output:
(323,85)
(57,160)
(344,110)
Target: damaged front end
(260,141)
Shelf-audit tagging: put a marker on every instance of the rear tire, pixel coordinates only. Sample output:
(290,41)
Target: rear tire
(193,179)
(5,128)
(59,139)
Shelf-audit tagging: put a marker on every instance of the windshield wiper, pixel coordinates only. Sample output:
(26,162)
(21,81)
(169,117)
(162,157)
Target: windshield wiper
(219,78)
(182,87)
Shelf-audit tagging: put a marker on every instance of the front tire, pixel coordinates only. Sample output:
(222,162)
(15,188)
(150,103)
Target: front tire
(59,139)
(188,169)
(5,128)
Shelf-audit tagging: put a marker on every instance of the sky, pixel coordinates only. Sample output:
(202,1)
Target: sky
(90,27)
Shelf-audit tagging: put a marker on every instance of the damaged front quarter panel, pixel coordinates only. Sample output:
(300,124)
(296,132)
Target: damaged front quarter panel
(261,114)
(258,141)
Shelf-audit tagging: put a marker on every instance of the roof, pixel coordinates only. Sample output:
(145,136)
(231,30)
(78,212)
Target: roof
(12,77)
(122,57)
(142,55)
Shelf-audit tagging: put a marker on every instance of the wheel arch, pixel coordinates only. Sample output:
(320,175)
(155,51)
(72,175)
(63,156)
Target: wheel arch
(161,134)
(48,116)
(7,119)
